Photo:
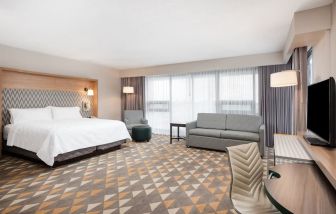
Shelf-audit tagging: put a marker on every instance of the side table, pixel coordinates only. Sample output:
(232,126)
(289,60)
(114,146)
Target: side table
(178,125)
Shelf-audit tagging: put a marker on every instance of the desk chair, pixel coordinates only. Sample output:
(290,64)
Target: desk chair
(247,188)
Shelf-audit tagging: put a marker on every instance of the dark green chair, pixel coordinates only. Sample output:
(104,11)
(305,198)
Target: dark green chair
(141,133)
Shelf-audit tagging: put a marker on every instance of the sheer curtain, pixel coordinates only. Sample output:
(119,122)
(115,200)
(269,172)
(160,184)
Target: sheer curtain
(157,105)
(179,98)
(204,93)
(238,91)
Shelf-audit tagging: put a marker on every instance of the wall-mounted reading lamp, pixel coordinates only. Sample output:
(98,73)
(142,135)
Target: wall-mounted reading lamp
(87,104)
(89,91)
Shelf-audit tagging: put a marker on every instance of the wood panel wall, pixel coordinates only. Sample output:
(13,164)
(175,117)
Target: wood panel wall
(14,78)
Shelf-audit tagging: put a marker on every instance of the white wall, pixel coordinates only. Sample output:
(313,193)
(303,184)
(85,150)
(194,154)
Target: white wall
(324,52)
(208,65)
(108,79)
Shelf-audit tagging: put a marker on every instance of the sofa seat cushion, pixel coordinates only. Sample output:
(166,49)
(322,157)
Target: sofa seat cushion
(239,135)
(206,132)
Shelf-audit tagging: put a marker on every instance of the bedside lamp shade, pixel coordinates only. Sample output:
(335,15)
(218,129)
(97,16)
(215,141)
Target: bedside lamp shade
(284,78)
(128,90)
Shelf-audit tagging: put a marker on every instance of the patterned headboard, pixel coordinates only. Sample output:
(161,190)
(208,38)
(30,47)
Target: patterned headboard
(32,98)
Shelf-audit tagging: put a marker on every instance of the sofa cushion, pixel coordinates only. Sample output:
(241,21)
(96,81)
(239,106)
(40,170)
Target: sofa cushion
(205,132)
(248,123)
(239,135)
(211,121)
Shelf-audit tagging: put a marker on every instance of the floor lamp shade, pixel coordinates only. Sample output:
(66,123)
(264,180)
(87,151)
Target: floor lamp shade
(128,90)
(284,78)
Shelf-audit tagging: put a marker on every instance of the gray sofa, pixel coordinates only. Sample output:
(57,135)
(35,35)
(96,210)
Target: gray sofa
(218,131)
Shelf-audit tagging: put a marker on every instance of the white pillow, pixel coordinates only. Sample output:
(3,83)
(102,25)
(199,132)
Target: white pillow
(61,113)
(29,114)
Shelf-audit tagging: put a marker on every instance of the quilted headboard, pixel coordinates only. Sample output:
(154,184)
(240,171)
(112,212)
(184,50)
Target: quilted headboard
(35,98)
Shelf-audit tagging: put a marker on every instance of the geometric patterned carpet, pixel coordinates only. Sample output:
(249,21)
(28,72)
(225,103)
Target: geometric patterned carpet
(155,177)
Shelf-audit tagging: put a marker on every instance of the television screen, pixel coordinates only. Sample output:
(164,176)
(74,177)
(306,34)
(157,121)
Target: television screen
(318,112)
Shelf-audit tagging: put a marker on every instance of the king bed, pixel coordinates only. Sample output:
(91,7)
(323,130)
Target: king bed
(61,140)
(47,117)
(57,134)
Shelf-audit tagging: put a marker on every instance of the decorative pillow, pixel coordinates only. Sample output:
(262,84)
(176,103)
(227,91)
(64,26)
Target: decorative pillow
(29,114)
(61,113)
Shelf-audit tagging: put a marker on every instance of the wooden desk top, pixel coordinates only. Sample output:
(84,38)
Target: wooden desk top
(324,157)
(301,188)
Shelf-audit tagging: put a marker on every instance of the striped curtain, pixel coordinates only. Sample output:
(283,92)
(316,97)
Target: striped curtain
(299,63)
(276,104)
(133,101)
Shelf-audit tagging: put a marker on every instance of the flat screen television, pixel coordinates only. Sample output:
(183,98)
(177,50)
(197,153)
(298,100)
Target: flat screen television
(321,113)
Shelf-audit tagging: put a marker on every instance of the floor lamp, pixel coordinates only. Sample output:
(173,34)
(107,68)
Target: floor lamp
(127,90)
(284,79)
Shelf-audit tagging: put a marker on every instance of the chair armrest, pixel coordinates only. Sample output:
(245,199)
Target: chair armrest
(144,121)
(262,140)
(189,126)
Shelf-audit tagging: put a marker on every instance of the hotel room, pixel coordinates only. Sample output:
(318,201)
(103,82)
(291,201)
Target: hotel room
(223,106)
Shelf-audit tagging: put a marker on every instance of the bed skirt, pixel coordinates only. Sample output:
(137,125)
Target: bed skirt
(62,158)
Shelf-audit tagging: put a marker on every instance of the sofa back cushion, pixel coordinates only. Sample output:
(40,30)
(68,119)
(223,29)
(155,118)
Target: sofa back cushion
(248,123)
(211,121)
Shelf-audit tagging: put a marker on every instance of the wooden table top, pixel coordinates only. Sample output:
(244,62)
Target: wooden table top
(324,157)
(178,124)
(301,188)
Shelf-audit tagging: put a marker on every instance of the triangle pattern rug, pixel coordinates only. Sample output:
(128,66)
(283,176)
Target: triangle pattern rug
(153,177)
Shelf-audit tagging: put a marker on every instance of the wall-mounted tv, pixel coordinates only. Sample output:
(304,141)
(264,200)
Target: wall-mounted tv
(321,113)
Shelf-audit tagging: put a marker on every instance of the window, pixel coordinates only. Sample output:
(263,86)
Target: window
(310,66)
(238,92)
(179,98)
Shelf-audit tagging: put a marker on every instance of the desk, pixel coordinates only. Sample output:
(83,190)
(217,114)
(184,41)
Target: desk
(324,157)
(300,188)
(178,125)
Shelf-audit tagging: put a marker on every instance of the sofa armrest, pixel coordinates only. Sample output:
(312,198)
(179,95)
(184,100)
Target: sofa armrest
(262,140)
(144,121)
(189,126)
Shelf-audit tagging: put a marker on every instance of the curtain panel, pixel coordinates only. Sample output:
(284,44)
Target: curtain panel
(276,104)
(300,63)
(179,98)
(133,101)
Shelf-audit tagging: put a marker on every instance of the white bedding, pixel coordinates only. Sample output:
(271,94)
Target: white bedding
(51,138)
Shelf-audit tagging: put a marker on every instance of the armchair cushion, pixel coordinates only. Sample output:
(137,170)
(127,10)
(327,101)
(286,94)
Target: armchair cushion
(144,121)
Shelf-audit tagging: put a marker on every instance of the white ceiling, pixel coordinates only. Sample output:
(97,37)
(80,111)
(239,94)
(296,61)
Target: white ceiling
(138,33)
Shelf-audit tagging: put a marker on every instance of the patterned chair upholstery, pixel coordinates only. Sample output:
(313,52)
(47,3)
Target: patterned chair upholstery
(134,118)
(247,188)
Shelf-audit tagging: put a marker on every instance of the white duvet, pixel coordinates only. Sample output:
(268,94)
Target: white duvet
(51,138)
